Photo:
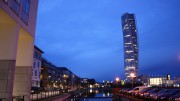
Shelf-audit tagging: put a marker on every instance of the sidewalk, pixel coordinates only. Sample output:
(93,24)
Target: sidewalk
(63,97)
(59,98)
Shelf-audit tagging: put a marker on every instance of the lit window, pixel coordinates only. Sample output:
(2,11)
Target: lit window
(128,43)
(127,35)
(129,51)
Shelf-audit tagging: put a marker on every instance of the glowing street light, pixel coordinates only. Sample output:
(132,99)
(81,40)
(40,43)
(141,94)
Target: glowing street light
(117,79)
(132,75)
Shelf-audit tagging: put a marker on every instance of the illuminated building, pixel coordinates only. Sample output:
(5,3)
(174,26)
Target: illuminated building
(17,32)
(157,81)
(51,77)
(130,45)
(36,69)
(168,77)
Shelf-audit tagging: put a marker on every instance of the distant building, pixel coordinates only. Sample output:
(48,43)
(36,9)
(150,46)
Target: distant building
(67,76)
(130,45)
(177,78)
(157,81)
(36,69)
(84,82)
(177,81)
(51,77)
(143,79)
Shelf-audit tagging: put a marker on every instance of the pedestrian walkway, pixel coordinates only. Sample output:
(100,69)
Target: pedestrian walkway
(63,97)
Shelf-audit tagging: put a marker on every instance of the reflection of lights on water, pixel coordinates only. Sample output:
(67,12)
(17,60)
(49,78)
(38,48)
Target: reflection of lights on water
(84,99)
(90,90)
(108,93)
(96,91)
(104,95)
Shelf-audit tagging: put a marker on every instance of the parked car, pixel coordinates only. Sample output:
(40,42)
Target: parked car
(137,89)
(152,91)
(141,93)
(168,94)
(156,95)
(175,97)
(124,90)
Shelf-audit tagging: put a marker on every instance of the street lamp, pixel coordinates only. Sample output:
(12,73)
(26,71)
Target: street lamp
(117,80)
(132,75)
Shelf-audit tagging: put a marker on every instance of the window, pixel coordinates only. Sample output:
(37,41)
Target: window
(36,54)
(38,65)
(18,1)
(6,1)
(34,63)
(25,10)
(35,73)
(15,6)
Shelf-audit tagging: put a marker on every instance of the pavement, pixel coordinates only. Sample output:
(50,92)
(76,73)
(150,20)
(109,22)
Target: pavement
(63,97)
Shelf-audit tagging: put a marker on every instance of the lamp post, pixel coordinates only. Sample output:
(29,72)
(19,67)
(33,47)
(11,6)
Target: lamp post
(117,80)
(132,75)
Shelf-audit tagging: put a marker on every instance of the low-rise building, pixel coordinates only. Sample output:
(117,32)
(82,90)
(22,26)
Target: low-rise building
(67,76)
(51,77)
(156,80)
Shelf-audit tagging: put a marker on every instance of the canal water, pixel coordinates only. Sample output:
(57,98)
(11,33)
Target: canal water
(93,95)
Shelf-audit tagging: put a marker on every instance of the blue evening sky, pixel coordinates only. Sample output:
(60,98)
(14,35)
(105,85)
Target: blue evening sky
(86,36)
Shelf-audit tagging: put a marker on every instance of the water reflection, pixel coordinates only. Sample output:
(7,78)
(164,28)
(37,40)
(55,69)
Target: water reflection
(92,95)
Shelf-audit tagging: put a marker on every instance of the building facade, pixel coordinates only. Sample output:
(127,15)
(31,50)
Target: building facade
(17,31)
(157,80)
(51,78)
(67,78)
(130,45)
(36,69)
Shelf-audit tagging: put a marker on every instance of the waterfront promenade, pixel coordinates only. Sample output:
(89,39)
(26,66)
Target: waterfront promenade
(63,97)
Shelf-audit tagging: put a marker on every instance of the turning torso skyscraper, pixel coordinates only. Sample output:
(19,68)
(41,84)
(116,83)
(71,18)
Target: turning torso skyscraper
(130,45)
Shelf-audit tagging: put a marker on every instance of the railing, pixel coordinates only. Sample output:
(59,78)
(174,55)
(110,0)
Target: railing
(45,95)
(18,98)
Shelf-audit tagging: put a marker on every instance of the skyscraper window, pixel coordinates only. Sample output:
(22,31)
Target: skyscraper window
(130,44)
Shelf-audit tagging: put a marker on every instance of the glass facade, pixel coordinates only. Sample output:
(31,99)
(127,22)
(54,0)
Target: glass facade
(130,44)
(25,10)
(21,8)
(15,6)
